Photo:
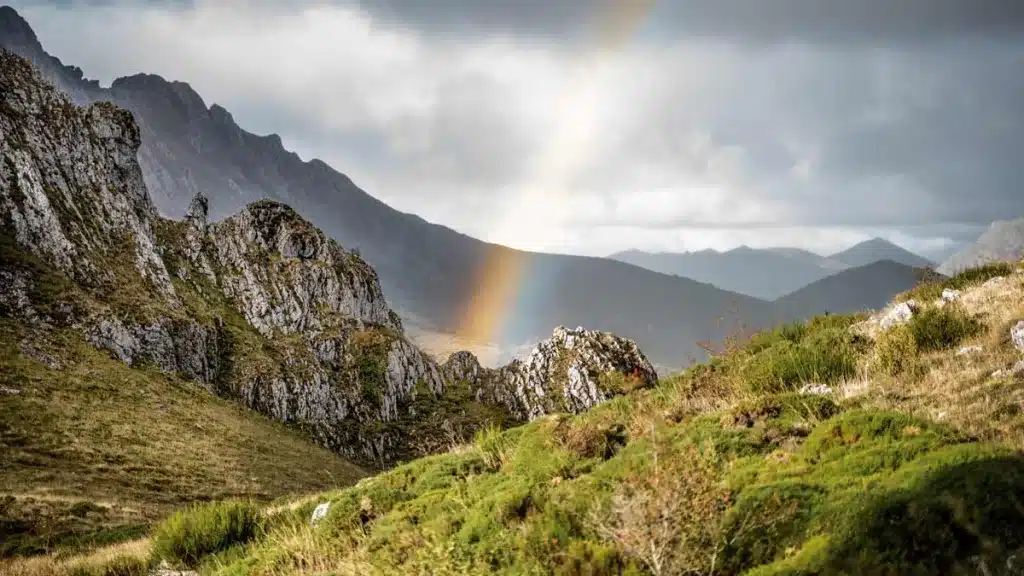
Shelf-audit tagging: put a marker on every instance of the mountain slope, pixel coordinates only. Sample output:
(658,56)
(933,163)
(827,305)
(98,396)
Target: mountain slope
(876,250)
(857,289)
(427,270)
(811,450)
(765,274)
(1002,242)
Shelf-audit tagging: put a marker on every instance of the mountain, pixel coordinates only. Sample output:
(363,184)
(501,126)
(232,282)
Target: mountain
(1002,242)
(428,271)
(876,250)
(766,274)
(858,289)
(137,349)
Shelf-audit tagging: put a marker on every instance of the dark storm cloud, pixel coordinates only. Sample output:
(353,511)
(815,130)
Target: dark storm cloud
(737,20)
(907,113)
(743,20)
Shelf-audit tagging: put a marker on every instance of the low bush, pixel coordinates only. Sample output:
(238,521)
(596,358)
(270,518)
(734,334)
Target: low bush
(822,356)
(896,350)
(942,328)
(189,535)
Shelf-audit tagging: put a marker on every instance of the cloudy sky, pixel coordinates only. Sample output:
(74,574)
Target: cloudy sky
(587,127)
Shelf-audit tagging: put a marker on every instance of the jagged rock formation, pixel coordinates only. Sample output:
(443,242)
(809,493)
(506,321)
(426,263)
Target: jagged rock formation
(261,307)
(572,371)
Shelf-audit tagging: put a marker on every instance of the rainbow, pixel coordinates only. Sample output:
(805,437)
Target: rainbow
(499,280)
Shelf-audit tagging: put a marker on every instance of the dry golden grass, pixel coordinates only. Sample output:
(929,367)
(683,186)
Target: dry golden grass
(97,447)
(961,389)
(91,562)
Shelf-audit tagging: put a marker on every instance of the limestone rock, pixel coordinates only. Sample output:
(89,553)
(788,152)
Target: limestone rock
(949,295)
(968,350)
(187,348)
(319,513)
(287,275)
(899,314)
(819,389)
(70,186)
(572,371)
(1017,335)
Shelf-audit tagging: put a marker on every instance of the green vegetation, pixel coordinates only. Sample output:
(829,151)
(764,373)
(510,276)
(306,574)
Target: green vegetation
(94,452)
(723,469)
(189,535)
(822,350)
(932,289)
(897,350)
(942,328)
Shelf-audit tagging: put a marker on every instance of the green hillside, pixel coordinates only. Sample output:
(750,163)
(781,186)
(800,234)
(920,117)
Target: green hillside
(908,463)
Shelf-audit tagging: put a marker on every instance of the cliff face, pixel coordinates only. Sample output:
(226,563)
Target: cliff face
(261,307)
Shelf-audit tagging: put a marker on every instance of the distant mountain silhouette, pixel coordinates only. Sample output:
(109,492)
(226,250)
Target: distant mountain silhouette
(1002,242)
(855,289)
(876,250)
(760,273)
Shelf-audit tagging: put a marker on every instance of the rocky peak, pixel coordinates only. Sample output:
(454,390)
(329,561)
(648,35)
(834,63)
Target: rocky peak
(17,30)
(198,212)
(573,371)
(71,187)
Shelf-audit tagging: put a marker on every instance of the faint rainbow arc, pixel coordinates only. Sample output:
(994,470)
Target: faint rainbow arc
(500,277)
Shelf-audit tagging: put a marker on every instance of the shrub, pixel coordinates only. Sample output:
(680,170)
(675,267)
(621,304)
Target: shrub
(942,328)
(824,356)
(896,350)
(189,535)
(669,517)
(494,446)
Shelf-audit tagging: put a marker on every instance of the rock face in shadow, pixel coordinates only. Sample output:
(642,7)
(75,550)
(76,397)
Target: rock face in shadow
(261,307)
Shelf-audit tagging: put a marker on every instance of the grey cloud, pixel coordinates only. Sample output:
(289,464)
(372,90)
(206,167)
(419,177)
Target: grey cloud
(921,137)
(742,20)
(815,21)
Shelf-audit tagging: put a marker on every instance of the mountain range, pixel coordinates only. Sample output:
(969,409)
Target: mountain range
(428,271)
(769,273)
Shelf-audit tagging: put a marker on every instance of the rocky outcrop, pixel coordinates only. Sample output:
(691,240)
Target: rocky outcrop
(573,371)
(261,307)
(72,190)
(286,275)
(1017,335)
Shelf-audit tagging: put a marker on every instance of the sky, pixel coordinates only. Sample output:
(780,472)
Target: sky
(579,127)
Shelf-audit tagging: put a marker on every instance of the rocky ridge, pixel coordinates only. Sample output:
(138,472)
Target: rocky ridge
(261,307)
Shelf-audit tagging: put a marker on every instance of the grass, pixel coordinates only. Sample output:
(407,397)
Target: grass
(126,559)
(199,531)
(722,469)
(932,290)
(96,451)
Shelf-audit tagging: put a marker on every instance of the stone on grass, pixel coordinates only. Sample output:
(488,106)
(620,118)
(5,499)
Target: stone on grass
(320,512)
(820,389)
(1017,335)
(900,314)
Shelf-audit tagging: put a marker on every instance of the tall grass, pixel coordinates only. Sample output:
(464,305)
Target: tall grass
(189,535)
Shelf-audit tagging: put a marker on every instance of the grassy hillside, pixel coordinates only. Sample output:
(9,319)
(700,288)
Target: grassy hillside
(908,462)
(94,451)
